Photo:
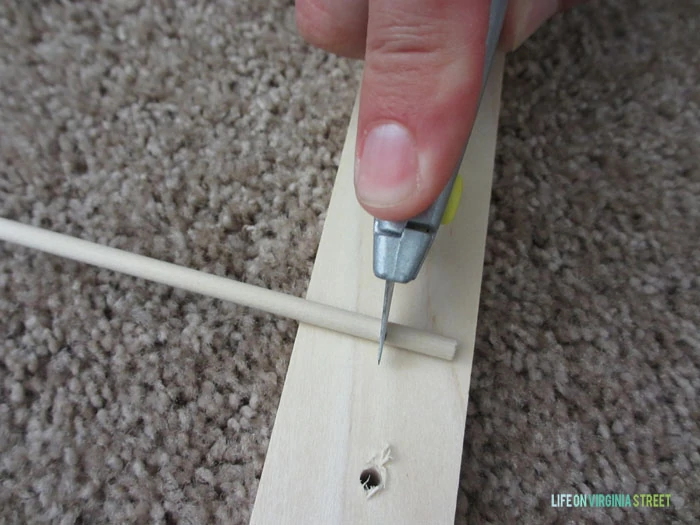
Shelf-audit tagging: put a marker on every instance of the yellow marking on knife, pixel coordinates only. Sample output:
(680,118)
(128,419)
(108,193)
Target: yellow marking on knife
(453,201)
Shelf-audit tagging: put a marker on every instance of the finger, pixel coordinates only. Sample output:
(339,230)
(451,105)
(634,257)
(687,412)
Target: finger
(524,17)
(338,26)
(420,89)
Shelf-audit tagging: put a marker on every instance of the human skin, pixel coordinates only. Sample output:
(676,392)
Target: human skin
(420,88)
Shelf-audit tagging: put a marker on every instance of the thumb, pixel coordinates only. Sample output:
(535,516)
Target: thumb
(420,89)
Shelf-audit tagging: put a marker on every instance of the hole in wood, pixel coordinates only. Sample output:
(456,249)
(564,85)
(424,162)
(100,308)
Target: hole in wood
(370,478)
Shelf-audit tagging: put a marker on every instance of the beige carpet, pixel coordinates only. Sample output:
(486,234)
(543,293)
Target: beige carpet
(209,136)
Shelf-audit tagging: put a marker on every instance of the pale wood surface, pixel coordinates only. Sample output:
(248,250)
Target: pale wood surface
(277,303)
(339,408)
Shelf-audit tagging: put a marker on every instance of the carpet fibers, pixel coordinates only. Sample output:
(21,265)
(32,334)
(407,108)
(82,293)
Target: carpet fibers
(208,134)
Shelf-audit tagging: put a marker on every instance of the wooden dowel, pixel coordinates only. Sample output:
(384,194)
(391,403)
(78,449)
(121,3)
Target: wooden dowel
(276,303)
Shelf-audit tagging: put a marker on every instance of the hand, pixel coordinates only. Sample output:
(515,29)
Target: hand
(420,89)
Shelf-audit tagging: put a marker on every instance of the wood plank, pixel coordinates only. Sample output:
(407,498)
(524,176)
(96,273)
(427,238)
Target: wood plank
(339,408)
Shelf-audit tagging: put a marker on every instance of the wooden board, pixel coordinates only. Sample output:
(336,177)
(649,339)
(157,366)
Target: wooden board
(339,408)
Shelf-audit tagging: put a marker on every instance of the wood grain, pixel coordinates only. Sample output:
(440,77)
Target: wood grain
(339,408)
